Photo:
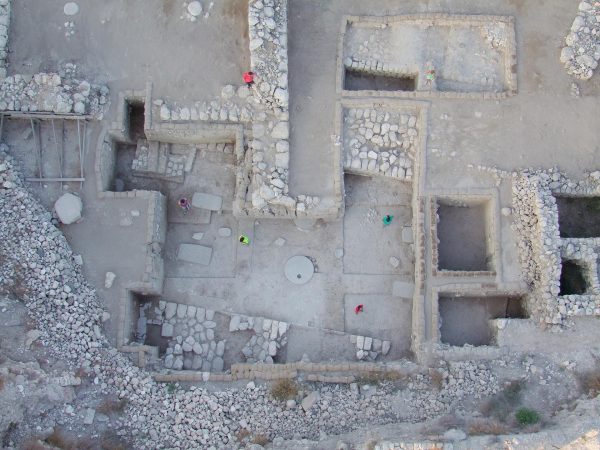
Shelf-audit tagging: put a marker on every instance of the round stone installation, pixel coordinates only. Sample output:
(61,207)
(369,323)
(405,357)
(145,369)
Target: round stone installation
(299,269)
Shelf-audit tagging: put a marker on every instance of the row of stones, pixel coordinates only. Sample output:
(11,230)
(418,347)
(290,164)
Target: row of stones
(581,52)
(269,337)
(380,141)
(193,345)
(235,105)
(60,93)
(368,349)
(4,24)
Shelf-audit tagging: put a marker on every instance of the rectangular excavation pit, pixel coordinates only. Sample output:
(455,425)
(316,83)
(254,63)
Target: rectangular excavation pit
(136,115)
(572,278)
(464,235)
(143,329)
(465,319)
(356,80)
(578,217)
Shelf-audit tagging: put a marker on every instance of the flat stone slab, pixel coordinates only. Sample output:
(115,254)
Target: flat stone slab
(207,201)
(195,254)
(299,269)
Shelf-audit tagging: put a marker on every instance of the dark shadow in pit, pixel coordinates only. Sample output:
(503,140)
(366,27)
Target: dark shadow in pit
(578,217)
(355,80)
(572,279)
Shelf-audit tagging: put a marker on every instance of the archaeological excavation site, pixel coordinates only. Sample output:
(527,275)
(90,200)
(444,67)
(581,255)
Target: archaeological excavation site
(299,224)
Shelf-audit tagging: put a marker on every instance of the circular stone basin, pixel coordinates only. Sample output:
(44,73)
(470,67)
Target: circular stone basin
(71,8)
(195,9)
(299,269)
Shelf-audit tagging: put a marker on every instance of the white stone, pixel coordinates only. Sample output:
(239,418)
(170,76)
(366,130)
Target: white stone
(195,8)
(68,208)
(109,279)
(224,232)
(71,9)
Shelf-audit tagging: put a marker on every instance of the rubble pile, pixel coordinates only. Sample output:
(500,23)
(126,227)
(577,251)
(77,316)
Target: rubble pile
(53,93)
(581,52)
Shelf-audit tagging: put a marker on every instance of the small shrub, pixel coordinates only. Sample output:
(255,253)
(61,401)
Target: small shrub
(284,389)
(487,426)
(503,403)
(171,388)
(33,444)
(110,406)
(590,383)
(2,382)
(526,416)
(261,439)
(59,440)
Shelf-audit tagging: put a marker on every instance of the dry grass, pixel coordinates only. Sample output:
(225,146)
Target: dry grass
(242,435)
(284,389)
(487,426)
(2,382)
(59,440)
(33,444)
(590,383)
(437,378)
(261,439)
(375,377)
(110,441)
(501,405)
(111,406)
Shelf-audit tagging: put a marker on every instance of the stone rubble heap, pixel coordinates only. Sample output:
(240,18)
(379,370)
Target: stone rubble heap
(269,337)
(193,344)
(53,93)
(581,52)
(377,141)
(536,222)
(4,28)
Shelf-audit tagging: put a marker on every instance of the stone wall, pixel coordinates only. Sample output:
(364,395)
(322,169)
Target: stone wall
(581,52)
(4,30)
(541,247)
(58,93)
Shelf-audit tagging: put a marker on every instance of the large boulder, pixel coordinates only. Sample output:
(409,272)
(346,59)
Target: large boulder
(68,208)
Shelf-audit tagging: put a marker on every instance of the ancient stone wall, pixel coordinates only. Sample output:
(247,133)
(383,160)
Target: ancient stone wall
(4,30)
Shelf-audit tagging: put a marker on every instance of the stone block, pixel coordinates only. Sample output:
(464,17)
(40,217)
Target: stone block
(167,330)
(207,201)
(195,254)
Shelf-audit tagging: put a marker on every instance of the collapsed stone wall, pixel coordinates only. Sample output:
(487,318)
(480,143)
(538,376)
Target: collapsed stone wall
(581,52)
(4,29)
(58,93)
(540,245)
